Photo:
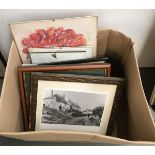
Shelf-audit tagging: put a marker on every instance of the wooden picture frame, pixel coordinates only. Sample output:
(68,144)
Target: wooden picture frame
(75,79)
(22,69)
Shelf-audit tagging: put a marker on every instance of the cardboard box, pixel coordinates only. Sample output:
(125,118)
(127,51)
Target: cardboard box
(140,127)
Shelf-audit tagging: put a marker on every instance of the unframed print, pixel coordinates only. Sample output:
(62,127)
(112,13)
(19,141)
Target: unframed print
(67,32)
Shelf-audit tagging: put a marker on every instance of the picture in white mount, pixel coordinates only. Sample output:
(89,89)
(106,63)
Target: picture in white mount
(74,106)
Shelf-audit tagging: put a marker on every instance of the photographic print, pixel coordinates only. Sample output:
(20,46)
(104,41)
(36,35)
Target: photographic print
(65,32)
(74,106)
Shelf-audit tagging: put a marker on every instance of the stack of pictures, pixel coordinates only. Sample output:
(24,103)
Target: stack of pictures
(64,84)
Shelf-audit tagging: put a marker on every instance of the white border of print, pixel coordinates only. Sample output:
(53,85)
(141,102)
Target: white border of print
(107,89)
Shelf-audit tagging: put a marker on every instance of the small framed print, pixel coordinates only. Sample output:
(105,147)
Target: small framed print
(24,75)
(49,55)
(65,32)
(75,103)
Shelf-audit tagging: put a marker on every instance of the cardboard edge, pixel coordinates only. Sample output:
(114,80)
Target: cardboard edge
(59,136)
(141,85)
(143,97)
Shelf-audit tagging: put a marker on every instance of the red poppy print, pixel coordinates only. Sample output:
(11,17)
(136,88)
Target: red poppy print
(53,37)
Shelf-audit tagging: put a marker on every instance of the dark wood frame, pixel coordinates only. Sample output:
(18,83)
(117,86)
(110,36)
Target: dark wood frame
(81,79)
(23,69)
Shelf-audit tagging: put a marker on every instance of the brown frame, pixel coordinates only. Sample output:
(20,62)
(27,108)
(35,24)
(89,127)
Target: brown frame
(81,79)
(23,69)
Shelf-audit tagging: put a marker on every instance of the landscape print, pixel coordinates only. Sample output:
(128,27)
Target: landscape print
(72,108)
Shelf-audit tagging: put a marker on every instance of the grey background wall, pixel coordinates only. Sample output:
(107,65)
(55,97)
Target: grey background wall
(138,24)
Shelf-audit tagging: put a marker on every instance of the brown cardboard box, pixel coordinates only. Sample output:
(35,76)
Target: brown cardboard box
(141,129)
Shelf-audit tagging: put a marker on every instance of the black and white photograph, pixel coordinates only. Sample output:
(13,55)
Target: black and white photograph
(72,108)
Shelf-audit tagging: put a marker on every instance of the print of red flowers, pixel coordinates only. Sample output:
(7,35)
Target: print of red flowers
(53,37)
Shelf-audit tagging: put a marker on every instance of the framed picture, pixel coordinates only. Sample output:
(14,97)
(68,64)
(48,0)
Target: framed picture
(24,74)
(75,103)
(66,32)
(42,55)
(2,65)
